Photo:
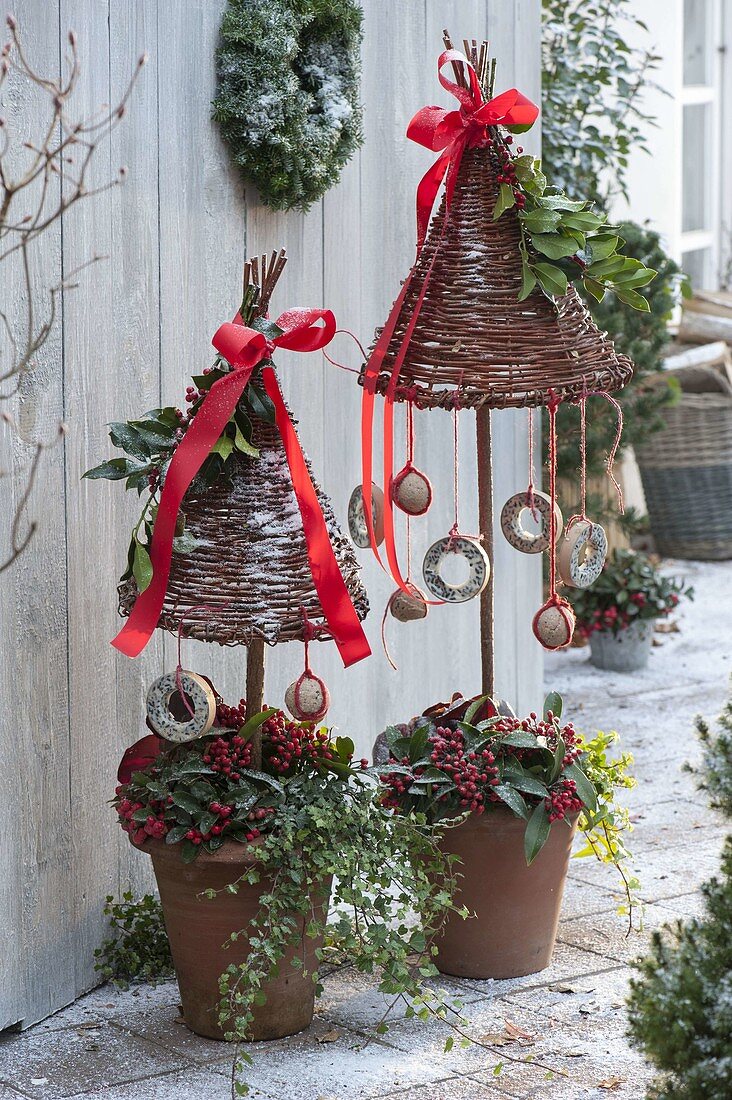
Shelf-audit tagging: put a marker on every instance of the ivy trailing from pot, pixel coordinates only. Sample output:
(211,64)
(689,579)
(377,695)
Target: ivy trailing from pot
(287,101)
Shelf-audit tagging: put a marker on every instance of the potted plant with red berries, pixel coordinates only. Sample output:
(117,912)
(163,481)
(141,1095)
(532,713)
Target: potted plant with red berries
(618,613)
(523,788)
(251,829)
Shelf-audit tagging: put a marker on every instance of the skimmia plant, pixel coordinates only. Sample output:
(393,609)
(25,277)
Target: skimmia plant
(467,757)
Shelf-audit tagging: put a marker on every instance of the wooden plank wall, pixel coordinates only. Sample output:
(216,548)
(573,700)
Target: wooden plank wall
(176,235)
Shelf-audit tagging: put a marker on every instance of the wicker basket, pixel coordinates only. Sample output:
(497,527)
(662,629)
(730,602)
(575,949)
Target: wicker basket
(473,336)
(686,469)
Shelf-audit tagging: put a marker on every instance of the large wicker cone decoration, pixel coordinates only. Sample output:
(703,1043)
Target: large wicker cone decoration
(251,557)
(473,335)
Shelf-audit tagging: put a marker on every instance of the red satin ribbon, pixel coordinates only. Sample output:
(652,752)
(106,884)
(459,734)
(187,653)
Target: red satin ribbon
(244,349)
(452,132)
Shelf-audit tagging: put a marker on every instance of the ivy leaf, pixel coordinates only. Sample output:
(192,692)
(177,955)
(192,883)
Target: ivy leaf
(552,279)
(553,245)
(142,569)
(505,201)
(242,444)
(585,787)
(536,833)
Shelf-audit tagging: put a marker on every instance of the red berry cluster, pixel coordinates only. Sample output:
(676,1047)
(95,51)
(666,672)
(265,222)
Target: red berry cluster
(563,801)
(229,756)
(506,170)
(230,717)
(155,824)
(287,745)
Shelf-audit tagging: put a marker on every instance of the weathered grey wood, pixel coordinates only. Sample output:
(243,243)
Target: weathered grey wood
(36,884)
(141,323)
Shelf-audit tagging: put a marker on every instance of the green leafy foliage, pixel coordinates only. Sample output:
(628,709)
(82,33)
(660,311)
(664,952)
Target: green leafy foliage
(680,1005)
(565,240)
(138,949)
(629,589)
(313,817)
(592,95)
(287,101)
(467,758)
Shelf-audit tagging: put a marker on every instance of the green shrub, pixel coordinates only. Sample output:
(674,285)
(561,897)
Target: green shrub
(681,1004)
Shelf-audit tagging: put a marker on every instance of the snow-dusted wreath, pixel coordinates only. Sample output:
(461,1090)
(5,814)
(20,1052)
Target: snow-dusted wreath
(287,101)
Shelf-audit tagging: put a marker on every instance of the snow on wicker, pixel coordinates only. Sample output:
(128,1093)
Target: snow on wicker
(251,559)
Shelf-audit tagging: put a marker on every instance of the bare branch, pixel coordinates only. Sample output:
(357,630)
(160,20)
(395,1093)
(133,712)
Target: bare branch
(40,181)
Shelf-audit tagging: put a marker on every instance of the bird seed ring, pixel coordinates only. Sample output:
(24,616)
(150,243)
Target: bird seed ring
(180,726)
(526,541)
(582,554)
(357,527)
(477,559)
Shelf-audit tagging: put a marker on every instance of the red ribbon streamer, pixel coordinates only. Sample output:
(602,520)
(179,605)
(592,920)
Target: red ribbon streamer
(244,349)
(452,132)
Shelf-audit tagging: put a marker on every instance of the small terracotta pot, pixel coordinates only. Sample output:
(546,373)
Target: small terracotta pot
(198,928)
(516,907)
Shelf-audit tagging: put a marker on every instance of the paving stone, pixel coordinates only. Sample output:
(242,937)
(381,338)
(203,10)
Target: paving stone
(582,897)
(51,1065)
(191,1084)
(108,1002)
(452,1088)
(598,1001)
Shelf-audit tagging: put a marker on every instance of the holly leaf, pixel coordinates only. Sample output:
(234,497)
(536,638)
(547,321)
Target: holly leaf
(223,446)
(552,279)
(541,221)
(505,201)
(593,287)
(242,443)
(127,438)
(528,282)
(114,470)
(634,299)
(142,569)
(553,246)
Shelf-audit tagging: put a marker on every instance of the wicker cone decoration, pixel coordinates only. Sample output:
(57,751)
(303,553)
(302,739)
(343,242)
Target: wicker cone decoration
(249,575)
(251,557)
(473,337)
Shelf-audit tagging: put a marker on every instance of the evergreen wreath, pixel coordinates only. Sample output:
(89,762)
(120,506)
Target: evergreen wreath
(287,101)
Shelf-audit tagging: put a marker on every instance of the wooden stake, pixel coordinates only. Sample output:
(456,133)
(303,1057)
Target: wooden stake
(255,693)
(485,527)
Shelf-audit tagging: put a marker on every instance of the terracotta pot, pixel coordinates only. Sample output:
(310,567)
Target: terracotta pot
(198,928)
(516,907)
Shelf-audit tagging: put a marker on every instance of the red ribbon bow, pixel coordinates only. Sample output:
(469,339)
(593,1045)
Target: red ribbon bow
(453,132)
(244,349)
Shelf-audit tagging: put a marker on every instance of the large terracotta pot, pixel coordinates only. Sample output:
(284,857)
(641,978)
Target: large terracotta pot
(516,907)
(198,928)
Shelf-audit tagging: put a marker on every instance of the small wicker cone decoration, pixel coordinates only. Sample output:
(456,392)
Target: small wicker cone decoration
(250,566)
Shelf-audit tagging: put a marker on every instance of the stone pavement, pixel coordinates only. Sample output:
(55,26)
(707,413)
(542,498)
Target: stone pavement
(120,1046)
